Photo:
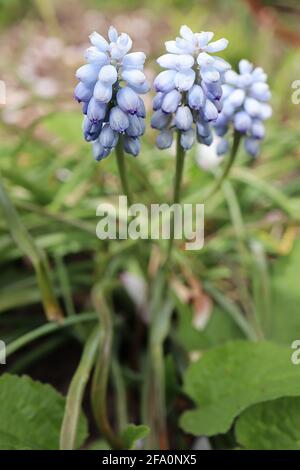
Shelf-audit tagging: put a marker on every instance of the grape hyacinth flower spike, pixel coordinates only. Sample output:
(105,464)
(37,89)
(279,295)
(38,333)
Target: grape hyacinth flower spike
(245,107)
(109,88)
(189,91)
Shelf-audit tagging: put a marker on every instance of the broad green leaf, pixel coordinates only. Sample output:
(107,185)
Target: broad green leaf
(230,378)
(31,415)
(219,329)
(9,442)
(285,320)
(133,433)
(274,425)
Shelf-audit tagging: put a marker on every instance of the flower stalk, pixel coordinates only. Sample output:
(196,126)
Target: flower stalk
(102,370)
(120,157)
(76,390)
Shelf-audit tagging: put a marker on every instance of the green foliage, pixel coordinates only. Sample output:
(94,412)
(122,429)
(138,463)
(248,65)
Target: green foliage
(249,266)
(230,378)
(274,425)
(31,415)
(285,320)
(219,329)
(132,434)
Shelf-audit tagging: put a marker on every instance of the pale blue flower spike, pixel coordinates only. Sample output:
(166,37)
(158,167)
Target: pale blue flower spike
(245,106)
(109,87)
(189,91)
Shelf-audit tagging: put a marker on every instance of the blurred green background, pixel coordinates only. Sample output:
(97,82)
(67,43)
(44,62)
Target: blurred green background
(250,264)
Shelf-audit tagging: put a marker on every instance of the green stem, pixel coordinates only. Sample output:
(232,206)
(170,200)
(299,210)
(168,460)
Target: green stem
(180,156)
(101,374)
(233,154)
(122,169)
(154,404)
(46,329)
(76,390)
(121,398)
(154,399)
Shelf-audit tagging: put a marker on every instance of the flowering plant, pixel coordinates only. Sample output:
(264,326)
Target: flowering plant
(109,87)
(189,92)
(245,106)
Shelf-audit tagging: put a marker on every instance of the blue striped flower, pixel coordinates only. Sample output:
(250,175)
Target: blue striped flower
(109,88)
(189,91)
(245,107)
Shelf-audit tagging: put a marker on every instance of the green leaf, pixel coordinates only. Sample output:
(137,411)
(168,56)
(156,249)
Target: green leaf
(219,329)
(230,378)
(133,433)
(274,425)
(65,125)
(31,415)
(9,442)
(285,321)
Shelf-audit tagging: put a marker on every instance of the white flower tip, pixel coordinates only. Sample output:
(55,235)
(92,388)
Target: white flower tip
(112,34)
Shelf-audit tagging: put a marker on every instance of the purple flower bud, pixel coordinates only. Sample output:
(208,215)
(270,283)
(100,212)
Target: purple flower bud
(164,81)
(242,122)
(102,92)
(134,77)
(222,147)
(82,93)
(108,138)
(207,140)
(134,60)
(196,97)
(160,119)
(185,79)
(85,107)
(132,145)
(128,100)
(252,107)
(187,139)
(210,111)
(164,139)
(88,74)
(157,101)
(260,91)
(141,110)
(91,131)
(212,90)
(95,57)
(183,118)
(99,42)
(252,147)
(99,151)
(203,129)
(136,126)
(108,75)
(258,129)
(171,101)
(96,111)
(118,119)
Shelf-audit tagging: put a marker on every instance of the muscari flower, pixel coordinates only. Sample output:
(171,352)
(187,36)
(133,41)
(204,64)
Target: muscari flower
(109,88)
(189,91)
(245,107)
